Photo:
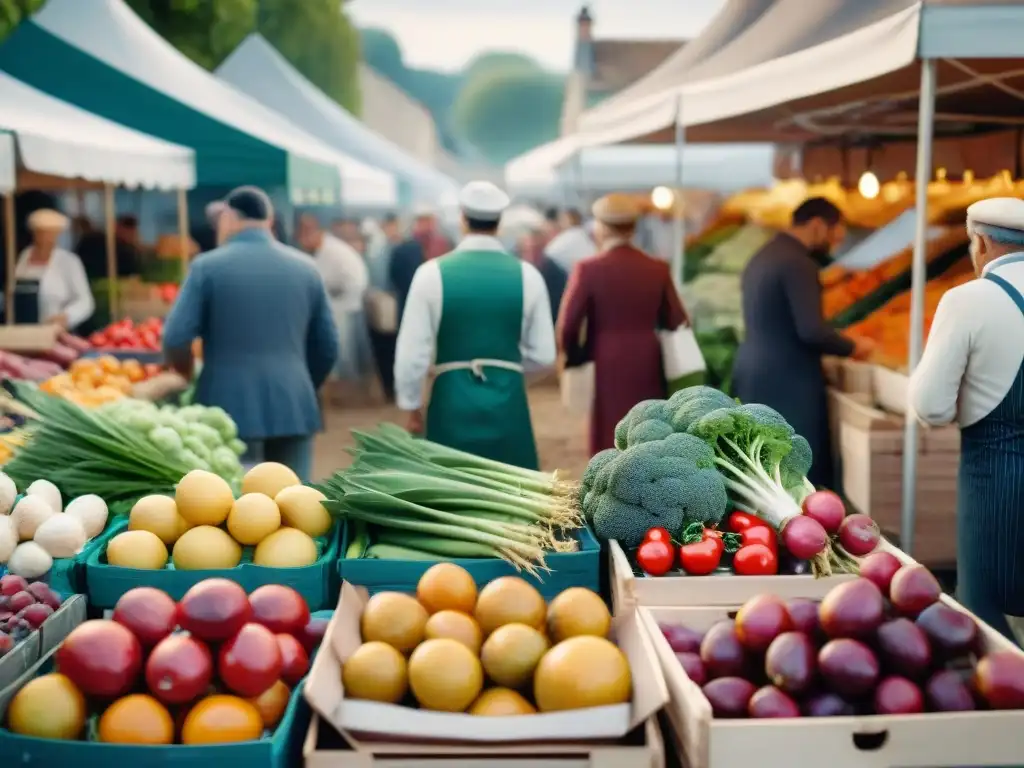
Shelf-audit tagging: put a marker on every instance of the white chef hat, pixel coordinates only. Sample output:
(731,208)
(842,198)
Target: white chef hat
(483,201)
(48,219)
(1000,218)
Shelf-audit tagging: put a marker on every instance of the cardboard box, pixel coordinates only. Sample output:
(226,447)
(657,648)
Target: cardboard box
(326,748)
(27,337)
(326,695)
(630,591)
(871,447)
(875,741)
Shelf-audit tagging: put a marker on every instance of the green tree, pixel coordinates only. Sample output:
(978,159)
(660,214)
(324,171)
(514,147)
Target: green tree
(503,113)
(317,38)
(382,52)
(499,61)
(204,30)
(13,12)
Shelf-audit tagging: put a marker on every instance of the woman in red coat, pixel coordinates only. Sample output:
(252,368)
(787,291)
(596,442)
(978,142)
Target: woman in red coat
(619,299)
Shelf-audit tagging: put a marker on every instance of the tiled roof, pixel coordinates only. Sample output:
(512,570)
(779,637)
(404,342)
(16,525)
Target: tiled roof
(619,63)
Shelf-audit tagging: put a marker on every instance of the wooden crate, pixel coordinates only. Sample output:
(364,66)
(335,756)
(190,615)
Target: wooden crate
(870,444)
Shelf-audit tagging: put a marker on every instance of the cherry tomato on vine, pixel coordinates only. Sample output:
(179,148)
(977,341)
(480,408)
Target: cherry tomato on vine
(658,534)
(760,534)
(755,560)
(656,558)
(740,521)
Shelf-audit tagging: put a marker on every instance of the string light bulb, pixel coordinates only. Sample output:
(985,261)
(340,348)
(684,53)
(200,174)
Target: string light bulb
(869,186)
(663,198)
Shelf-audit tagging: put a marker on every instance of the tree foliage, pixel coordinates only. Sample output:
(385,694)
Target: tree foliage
(506,112)
(13,12)
(204,30)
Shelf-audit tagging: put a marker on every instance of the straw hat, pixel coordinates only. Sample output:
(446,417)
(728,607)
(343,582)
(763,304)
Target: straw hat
(617,210)
(47,219)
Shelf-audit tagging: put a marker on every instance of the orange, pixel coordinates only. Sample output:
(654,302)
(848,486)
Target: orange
(272,703)
(447,586)
(48,707)
(137,719)
(222,720)
(133,370)
(109,364)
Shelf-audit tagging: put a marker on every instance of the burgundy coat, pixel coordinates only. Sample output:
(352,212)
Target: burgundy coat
(623,296)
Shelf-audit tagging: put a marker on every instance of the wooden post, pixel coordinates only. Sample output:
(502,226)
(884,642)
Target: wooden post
(11,257)
(111,224)
(183,230)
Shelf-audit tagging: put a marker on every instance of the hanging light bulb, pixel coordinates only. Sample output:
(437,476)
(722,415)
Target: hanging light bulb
(868,186)
(663,198)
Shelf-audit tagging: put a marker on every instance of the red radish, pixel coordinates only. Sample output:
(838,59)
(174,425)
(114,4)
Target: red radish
(852,609)
(827,508)
(859,535)
(760,621)
(804,537)
(880,567)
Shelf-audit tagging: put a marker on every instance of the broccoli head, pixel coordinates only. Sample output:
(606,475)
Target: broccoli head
(693,403)
(660,483)
(645,410)
(794,467)
(597,463)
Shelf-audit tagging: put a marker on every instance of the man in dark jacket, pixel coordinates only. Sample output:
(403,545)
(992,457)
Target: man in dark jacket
(407,257)
(779,361)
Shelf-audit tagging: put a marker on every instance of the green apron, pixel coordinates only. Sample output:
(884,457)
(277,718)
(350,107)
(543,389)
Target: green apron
(478,400)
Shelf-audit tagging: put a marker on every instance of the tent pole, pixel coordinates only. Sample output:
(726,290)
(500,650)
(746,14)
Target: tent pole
(111,224)
(922,175)
(183,230)
(679,220)
(10,246)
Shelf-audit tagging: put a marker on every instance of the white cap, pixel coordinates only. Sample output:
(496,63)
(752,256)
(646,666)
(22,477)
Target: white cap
(48,219)
(617,210)
(483,200)
(421,210)
(1006,212)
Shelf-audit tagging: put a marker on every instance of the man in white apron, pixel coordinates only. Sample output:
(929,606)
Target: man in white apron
(476,318)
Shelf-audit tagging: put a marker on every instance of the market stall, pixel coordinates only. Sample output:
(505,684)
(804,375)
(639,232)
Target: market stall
(144,82)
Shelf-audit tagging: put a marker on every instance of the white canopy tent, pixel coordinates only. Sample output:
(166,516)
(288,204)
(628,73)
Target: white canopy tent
(548,171)
(50,137)
(870,70)
(108,31)
(255,67)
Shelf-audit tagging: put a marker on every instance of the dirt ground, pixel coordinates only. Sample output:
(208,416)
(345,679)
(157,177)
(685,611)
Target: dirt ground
(561,437)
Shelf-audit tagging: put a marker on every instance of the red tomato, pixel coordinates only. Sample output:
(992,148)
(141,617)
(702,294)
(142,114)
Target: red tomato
(294,660)
(179,669)
(740,521)
(655,558)
(658,534)
(98,339)
(760,534)
(701,557)
(148,340)
(250,662)
(755,560)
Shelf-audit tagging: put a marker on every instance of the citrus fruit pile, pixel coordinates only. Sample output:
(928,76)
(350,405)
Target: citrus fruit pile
(214,668)
(502,651)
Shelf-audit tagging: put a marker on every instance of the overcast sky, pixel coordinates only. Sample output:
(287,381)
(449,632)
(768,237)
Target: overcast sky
(452,32)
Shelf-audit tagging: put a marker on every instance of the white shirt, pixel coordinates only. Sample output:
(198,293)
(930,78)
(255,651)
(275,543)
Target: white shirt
(343,271)
(569,247)
(417,334)
(974,350)
(63,286)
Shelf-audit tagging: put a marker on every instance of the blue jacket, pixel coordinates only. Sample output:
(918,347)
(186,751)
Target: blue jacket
(269,340)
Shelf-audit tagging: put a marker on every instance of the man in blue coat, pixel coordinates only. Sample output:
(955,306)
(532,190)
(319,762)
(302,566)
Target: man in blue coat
(269,340)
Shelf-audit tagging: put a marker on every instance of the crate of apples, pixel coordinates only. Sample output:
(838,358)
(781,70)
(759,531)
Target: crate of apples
(216,667)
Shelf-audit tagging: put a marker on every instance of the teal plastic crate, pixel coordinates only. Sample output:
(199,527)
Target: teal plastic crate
(318,583)
(568,569)
(282,749)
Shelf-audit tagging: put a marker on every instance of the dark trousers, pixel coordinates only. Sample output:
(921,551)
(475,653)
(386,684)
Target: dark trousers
(296,453)
(384,354)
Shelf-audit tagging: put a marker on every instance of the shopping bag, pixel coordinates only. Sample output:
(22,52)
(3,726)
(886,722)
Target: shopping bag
(681,358)
(576,379)
(382,311)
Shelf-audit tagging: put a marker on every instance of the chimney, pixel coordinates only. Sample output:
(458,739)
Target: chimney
(584,62)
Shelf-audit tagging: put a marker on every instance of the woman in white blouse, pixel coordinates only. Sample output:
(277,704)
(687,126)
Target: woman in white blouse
(50,282)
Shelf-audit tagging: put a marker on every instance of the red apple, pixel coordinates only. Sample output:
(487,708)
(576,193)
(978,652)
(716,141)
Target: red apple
(179,669)
(101,657)
(294,660)
(250,662)
(214,610)
(148,612)
(279,609)
(313,634)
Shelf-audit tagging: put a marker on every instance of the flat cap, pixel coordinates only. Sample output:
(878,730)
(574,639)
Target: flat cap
(1006,212)
(48,219)
(483,200)
(617,210)
(250,203)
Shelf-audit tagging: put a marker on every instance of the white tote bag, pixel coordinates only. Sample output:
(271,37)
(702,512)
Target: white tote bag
(681,357)
(382,311)
(577,388)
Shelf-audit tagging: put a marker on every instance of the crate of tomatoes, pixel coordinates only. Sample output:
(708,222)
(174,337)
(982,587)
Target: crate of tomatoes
(127,335)
(742,556)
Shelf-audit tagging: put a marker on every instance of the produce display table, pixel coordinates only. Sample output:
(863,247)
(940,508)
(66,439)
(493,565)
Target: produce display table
(144,356)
